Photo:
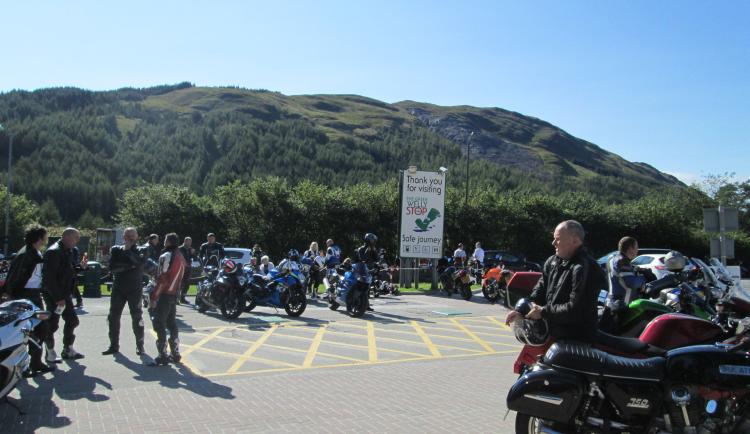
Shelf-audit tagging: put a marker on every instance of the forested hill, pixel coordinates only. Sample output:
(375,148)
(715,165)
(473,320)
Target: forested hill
(83,149)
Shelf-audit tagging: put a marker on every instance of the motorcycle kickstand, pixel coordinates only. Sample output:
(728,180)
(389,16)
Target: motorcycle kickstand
(6,400)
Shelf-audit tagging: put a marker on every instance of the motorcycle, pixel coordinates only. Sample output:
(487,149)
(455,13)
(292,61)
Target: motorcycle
(224,291)
(457,280)
(693,389)
(17,319)
(283,287)
(352,291)
(495,284)
(381,281)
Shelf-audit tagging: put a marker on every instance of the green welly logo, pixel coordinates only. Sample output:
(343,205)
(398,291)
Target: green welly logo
(424,224)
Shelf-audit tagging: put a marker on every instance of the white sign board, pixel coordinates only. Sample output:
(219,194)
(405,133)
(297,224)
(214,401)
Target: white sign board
(422,215)
(735,272)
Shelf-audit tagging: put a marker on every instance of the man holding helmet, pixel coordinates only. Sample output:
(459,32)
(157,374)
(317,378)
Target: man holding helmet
(566,294)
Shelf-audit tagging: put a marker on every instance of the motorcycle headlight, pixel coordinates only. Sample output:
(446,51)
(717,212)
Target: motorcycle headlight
(242,281)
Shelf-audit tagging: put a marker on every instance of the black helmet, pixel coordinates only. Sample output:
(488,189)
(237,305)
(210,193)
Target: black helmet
(293,255)
(527,331)
(371,238)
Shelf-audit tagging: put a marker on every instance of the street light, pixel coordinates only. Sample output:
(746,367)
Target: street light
(468,149)
(10,183)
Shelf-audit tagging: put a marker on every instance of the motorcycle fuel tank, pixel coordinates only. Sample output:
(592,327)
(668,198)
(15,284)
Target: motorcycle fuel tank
(674,330)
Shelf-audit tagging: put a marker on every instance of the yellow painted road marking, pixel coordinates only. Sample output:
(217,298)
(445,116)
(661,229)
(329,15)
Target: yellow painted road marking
(372,348)
(498,322)
(379,362)
(204,341)
(253,348)
(234,356)
(426,339)
(314,347)
(472,335)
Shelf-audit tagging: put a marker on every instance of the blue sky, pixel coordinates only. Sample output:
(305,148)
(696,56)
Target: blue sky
(663,82)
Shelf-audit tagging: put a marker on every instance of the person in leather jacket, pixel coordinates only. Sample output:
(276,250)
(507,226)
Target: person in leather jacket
(25,281)
(211,248)
(368,253)
(58,276)
(566,294)
(126,263)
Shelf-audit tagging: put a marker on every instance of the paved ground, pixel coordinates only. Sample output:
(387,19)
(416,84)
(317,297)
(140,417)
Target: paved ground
(404,368)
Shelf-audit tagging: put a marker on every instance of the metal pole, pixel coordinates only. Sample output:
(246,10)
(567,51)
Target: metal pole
(468,150)
(7,199)
(722,238)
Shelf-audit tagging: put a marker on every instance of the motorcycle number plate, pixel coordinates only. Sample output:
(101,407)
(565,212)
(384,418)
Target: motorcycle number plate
(735,370)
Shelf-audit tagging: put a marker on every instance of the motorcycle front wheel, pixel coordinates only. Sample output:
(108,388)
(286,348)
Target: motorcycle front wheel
(466,292)
(233,305)
(295,303)
(357,306)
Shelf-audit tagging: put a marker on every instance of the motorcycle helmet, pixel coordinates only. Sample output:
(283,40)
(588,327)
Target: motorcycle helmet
(293,255)
(371,238)
(675,262)
(230,266)
(527,331)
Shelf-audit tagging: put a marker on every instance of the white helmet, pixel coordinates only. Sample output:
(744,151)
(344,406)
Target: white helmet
(674,261)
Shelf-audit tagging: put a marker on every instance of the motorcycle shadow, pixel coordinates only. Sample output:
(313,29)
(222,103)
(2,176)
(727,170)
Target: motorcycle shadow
(174,376)
(38,403)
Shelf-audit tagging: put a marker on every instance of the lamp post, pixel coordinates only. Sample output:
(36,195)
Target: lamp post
(468,150)
(10,184)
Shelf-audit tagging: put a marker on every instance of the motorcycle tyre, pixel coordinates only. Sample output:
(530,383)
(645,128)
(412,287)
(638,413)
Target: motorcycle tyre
(295,313)
(226,313)
(466,292)
(357,308)
(526,424)
(333,305)
(250,306)
(202,307)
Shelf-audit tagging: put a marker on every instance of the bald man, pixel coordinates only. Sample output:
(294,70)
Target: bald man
(566,294)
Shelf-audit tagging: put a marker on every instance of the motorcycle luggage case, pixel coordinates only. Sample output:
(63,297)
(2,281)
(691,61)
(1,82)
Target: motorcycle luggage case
(546,394)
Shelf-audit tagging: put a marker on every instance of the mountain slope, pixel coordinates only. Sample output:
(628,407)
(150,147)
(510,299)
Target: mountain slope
(83,149)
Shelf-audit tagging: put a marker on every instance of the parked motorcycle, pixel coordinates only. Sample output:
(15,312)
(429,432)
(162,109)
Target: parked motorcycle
(283,287)
(381,281)
(17,319)
(693,389)
(352,291)
(457,280)
(225,292)
(495,284)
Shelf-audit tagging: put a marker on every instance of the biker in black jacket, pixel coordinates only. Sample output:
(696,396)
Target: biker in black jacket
(24,282)
(126,263)
(566,294)
(210,249)
(58,276)
(368,253)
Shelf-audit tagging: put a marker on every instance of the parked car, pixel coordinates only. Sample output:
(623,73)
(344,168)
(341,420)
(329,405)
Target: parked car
(655,263)
(510,260)
(642,251)
(239,254)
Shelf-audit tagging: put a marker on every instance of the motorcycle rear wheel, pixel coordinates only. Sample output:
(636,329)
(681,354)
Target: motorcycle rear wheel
(202,307)
(357,307)
(466,292)
(526,424)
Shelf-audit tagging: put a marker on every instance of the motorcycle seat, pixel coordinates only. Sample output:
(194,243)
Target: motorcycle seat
(620,343)
(587,360)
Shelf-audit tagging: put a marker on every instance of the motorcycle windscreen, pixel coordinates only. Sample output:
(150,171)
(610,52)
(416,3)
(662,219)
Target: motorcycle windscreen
(546,394)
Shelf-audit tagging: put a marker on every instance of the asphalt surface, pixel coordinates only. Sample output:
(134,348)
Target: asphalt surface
(419,363)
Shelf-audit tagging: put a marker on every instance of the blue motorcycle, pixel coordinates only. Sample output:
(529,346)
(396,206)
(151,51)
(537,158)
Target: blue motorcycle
(353,291)
(283,287)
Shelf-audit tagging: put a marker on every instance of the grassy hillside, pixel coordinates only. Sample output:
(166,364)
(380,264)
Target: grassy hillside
(83,149)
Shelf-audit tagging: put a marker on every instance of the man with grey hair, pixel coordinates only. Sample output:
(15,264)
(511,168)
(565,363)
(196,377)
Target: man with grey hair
(566,294)
(126,263)
(58,277)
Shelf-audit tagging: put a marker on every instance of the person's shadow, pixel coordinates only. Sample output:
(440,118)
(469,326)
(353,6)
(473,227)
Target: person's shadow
(37,404)
(174,376)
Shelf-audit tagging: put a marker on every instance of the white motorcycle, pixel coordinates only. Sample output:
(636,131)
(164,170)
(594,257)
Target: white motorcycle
(17,319)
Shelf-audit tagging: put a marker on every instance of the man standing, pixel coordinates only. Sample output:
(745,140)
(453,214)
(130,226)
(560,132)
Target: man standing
(58,275)
(169,276)
(478,254)
(368,253)
(623,283)
(126,263)
(211,249)
(153,251)
(188,253)
(459,256)
(566,294)
(25,281)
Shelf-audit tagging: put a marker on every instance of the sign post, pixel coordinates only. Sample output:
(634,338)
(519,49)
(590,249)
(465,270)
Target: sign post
(422,214)
(721,220)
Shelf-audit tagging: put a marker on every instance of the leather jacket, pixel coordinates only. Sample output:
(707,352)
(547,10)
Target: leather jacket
(58,273)
(569,290)
(127,267)
(21,269)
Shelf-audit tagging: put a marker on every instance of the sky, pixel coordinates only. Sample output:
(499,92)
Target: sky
(662,82)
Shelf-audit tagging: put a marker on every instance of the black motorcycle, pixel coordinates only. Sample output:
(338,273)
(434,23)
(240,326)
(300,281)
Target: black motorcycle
(222,289)
(578,389)
(382,281)
(459,280)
